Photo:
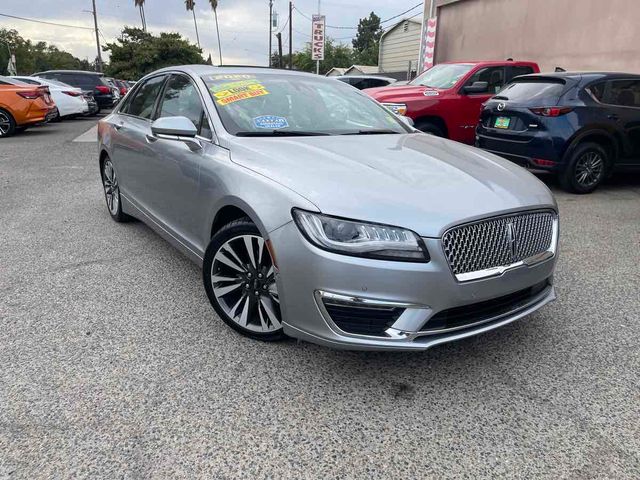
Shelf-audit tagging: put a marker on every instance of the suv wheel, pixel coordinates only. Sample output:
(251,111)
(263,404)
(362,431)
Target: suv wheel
(429,127)
(586,168)
(239,279)
(7,124)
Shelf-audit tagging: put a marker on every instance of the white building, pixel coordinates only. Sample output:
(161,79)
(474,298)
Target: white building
(399,46)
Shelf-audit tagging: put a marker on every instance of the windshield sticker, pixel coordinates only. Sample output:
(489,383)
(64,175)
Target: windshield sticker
(431,93)
(231,76)
(230,92)
(272,122)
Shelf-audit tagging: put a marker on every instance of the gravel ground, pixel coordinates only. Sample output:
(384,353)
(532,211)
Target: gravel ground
(113,364)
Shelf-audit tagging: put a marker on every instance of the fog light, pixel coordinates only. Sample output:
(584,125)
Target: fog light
(543,163)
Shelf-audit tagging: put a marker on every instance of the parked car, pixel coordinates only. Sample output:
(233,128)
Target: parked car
(115,88)
(88,81)
(318,214)
(365,81)
(446,99)
(69,100)
(22,106)
(579,126)
(123,87)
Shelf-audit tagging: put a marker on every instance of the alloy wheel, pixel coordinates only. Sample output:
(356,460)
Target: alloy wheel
(111,189)
(589,169)
(243,282)
(5,124)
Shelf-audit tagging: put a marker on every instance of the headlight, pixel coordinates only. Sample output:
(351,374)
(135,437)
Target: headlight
(397,108)
(350,237)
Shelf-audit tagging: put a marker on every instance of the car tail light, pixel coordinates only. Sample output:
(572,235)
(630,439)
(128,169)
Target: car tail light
(551,111)
(543,163)
(103,89)
(71,93)
(31,94)
(123,91)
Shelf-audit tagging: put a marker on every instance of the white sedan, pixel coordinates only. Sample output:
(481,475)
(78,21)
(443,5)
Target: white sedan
(69,100)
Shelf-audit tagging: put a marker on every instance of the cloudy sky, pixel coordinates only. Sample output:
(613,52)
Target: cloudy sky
(243,23)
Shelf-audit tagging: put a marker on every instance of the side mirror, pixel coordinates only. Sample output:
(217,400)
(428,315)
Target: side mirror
(406,120)
(177,128)
(477,87)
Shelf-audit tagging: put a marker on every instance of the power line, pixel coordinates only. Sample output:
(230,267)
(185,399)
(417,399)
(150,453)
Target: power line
(355,28)
(42,21)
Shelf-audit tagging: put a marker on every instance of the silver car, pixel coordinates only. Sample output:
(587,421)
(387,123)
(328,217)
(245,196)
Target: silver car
(316,213)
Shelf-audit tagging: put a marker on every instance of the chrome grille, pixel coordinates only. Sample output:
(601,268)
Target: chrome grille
(498,241)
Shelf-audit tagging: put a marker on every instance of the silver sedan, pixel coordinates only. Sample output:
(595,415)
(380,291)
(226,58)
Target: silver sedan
(318,214)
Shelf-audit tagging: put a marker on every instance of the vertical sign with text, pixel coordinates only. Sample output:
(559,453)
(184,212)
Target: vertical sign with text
(317,37)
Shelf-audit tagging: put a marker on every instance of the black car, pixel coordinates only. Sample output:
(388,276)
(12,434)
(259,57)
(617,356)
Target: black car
(580,126)
(366,81)
(88,81)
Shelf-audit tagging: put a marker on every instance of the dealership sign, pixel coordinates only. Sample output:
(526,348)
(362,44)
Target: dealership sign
(428,45)
(317,37)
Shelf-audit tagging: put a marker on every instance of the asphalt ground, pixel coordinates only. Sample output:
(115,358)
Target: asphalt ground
(114,365)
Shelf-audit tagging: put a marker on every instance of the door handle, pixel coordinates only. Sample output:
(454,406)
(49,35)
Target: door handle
(117,126)
(613,116)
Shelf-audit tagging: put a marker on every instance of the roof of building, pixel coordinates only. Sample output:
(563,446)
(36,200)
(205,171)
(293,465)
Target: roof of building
(338,70)
(367,69)
(393,27)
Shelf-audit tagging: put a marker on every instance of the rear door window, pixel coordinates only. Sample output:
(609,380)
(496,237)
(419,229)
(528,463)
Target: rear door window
(533,92)
(144,100)
(623,93)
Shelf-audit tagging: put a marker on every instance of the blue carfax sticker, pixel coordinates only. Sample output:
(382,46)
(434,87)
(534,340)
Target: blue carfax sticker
(271,122)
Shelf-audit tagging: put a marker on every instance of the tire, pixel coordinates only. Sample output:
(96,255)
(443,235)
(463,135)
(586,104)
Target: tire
(241,285)
(431,128)
(112,192)
(586,168)
(7,124)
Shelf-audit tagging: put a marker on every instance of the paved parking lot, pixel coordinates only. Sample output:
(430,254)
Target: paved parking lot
(113,364)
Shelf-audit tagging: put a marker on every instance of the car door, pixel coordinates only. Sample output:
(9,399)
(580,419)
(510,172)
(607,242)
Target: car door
(470,104)
(176,166)
(622,97)
(132,149)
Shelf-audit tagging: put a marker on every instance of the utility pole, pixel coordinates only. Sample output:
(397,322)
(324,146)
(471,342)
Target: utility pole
(279,35)
(95,22)
(290,36)
(270,27)
(318,61)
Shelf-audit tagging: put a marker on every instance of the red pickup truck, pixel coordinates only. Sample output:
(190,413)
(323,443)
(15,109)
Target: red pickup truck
(446,99)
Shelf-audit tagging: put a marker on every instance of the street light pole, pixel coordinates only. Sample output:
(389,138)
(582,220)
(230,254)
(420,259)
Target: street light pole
(95,22)
(270,27)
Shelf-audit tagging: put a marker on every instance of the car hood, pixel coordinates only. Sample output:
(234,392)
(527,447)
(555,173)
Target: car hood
(416,181)
(403,93)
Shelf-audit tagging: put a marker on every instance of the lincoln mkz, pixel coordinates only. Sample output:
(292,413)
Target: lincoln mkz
(316,213)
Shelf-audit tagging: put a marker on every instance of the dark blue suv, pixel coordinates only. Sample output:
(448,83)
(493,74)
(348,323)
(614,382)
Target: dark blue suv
(580,126)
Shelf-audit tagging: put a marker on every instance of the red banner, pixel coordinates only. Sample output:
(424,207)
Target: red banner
(428,45)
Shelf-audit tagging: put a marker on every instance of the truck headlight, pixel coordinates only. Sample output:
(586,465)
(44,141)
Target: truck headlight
(397,108)
(360,239)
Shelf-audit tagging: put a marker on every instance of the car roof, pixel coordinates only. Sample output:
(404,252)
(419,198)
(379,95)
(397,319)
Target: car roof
(577,76)
(69,71)
(198,70)
(494,62)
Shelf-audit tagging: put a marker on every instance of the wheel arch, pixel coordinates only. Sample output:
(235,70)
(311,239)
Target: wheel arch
(436,120)
(602,137)
(230,209)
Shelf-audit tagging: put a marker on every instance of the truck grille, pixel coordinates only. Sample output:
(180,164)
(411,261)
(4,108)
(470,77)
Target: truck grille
(498,242)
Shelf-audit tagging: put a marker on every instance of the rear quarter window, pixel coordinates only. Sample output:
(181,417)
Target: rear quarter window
(531,92)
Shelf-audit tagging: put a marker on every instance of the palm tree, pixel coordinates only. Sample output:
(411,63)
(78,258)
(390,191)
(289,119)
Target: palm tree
(214,5)
(190,4)
(140,5)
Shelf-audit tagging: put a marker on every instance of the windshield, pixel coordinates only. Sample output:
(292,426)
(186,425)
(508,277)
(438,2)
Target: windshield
(282,104)
(445,75)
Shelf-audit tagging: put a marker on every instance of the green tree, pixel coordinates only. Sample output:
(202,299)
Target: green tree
(35,57)
(335,55)
(137,53)
(367,42)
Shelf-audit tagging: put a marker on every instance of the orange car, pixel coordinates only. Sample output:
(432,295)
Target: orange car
(21,106)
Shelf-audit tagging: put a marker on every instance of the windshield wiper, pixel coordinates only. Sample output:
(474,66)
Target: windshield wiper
(281,133)
(372,132)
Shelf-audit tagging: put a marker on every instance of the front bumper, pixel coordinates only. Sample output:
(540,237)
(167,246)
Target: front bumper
(306,273)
